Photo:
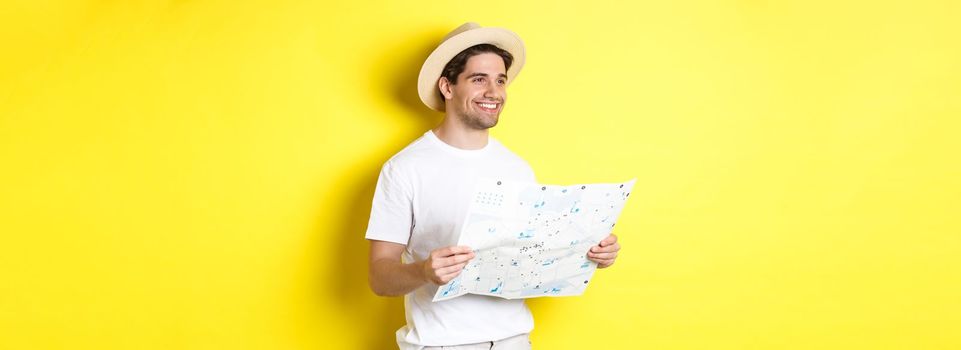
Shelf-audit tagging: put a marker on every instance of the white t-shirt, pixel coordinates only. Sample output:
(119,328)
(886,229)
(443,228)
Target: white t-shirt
(421,200)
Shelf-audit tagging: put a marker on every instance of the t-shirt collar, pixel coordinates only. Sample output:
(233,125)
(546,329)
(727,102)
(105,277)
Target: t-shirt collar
(459,151)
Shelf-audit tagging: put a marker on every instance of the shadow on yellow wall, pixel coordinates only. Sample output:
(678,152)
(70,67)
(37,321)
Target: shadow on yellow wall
(383,316)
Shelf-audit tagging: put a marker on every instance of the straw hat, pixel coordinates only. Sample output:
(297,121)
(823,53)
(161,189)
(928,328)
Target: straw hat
(461,38)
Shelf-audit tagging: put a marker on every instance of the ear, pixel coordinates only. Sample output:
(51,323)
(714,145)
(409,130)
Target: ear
(445,88)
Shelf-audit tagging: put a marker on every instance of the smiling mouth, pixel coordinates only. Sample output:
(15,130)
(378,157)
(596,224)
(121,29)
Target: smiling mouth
(489,107)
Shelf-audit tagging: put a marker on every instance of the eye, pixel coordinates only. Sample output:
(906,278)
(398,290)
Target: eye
(502,81)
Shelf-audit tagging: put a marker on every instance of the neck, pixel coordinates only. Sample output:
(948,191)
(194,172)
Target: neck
(459,135)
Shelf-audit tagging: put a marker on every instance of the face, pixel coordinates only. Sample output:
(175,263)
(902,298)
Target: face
(481,90)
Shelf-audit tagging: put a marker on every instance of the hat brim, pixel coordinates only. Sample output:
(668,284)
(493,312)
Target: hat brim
(434,65)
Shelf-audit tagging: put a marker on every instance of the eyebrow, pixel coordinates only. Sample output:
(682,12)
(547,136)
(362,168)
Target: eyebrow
(501,75)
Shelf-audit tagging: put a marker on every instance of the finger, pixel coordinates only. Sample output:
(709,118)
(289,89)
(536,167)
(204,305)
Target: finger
(608,249)
(452,250)
(602,255)
(450,269)
(601,261)
(610,239)
(604,262)
(448,277)
(454,260)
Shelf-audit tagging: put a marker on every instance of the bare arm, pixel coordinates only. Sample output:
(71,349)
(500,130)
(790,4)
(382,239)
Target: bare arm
(388,276)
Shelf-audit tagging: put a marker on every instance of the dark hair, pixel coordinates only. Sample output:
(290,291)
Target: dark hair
(456,65)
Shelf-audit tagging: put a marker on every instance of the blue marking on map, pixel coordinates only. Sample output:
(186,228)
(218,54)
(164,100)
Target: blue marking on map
(454,286)
(553,290)
(526,234)
(495,289)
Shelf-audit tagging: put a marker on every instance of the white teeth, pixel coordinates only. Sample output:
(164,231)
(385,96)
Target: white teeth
(488,105)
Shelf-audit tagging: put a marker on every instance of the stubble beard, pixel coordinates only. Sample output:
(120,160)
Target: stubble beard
(479,122)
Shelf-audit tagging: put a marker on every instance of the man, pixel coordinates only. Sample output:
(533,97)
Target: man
(423,192)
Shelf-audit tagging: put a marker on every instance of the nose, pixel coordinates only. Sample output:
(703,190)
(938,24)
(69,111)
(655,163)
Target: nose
(494,90)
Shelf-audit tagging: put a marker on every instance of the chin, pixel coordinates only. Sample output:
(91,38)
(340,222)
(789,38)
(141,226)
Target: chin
(481,123)
(487,124)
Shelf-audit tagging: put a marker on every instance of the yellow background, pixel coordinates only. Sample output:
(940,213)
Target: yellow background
(198,174)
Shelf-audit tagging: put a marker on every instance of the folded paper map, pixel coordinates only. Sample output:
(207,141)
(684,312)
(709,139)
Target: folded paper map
(531,240)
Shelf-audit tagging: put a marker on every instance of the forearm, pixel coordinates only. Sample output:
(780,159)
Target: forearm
(389,277)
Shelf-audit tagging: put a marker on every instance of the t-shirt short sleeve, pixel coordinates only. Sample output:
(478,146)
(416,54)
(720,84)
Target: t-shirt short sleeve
(391,213)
